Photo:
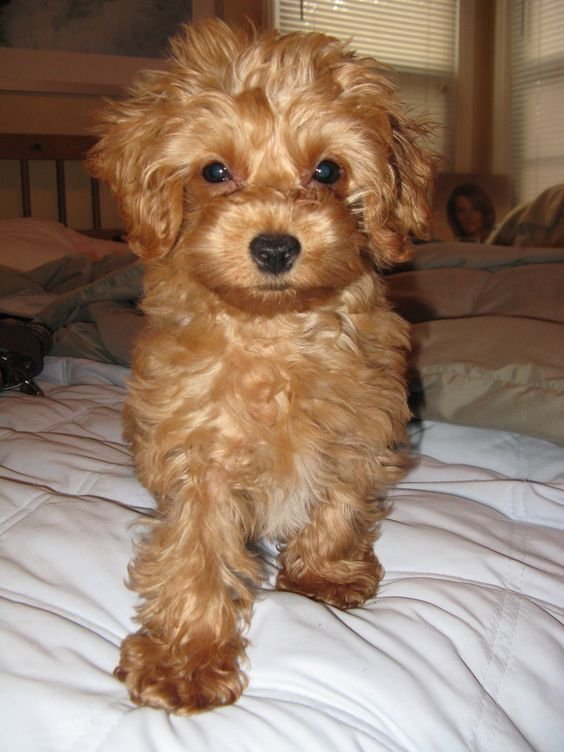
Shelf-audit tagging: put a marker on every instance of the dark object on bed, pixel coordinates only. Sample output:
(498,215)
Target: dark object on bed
(23,346)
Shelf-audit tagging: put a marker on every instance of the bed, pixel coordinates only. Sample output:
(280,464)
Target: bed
(462,649)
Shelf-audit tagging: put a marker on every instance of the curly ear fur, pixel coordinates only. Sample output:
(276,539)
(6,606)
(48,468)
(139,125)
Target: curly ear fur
(131,157)
(397,206)
(406,197)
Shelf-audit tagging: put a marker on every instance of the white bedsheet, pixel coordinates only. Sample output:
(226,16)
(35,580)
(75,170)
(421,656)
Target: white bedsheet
(463,649)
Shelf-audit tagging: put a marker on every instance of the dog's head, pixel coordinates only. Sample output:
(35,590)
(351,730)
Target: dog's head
(270,167)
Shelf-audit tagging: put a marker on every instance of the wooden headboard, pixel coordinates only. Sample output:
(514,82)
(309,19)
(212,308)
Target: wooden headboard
(59,149)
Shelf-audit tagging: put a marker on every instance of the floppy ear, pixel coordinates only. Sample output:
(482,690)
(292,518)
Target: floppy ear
(131,158)
(398,208)
(136,154)
(396,171)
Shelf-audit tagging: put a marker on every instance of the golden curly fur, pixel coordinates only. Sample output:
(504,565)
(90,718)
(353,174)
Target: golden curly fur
(264,180)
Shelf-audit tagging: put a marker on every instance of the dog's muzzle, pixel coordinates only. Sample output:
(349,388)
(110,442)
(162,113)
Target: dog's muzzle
(275,254)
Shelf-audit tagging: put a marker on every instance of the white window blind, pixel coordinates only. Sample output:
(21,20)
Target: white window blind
(537,96)
(416,37)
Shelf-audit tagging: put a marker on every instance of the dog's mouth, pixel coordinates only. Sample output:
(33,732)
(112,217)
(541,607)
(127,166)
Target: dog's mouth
(274,297)
(275,286)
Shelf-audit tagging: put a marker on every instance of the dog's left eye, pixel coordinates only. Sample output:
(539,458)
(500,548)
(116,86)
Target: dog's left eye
(216,172)
(327,172)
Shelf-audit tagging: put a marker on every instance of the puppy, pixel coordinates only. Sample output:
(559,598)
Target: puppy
(265,180)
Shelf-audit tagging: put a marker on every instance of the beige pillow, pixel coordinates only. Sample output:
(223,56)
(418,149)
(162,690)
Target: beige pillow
(26,243)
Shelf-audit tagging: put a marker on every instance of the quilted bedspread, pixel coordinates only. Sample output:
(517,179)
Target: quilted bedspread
(462,649)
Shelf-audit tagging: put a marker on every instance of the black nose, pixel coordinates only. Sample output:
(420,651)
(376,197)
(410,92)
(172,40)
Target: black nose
(275,254)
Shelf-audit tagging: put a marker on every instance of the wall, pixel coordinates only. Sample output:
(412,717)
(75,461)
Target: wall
(28,112)
(36,98)
(475,95)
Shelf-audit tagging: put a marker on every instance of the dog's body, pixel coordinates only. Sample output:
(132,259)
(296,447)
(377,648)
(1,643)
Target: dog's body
(262,179)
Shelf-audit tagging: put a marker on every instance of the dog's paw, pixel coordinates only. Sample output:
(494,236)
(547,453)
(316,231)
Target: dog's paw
(350,584)
(156,677)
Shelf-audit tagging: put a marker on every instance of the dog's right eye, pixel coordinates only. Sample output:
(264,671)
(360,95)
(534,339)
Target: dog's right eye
(216,172)
(327,172)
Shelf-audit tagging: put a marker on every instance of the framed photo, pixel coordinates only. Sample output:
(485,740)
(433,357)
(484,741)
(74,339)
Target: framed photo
(467,206)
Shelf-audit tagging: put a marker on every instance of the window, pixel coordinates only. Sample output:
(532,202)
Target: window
(537,121)
(416,37)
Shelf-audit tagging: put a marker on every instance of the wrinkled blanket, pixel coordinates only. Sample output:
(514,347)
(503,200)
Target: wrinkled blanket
(90,306)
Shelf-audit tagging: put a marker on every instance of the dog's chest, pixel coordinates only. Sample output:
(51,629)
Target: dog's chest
(255,401)
(265,414)
(270,451)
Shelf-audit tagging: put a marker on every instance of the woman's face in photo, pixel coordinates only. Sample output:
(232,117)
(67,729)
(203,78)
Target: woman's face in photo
(470,219)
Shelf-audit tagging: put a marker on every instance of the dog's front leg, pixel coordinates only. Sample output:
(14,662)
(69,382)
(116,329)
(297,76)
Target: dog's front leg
(194,573)
(332,559)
